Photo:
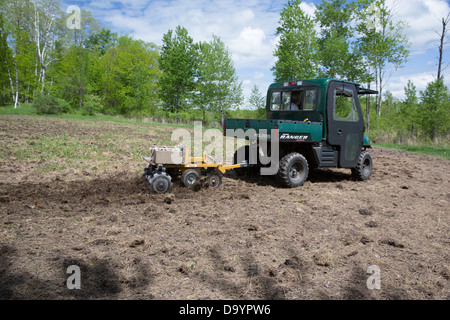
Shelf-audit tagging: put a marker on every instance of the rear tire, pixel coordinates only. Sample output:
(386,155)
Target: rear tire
(214,180)
(364,167)
(293,170)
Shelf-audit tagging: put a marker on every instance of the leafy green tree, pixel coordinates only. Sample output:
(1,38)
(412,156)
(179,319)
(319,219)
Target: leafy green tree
(143,78)
(179,64)
(217,86)
(391,103)
(204,88)
(79,37)
(98,44)
(18,23)
(109,74)
(101,41)
(28,67)
(409,108)
(257,102)
(381,41)
(127,76)
(435,109)
(46,21)
(338,54)
(72,69)
(410,94)
(5,65)
(72,76)
(256,99)
(297,51)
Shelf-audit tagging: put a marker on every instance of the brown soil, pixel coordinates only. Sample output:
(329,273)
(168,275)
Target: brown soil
(249,239)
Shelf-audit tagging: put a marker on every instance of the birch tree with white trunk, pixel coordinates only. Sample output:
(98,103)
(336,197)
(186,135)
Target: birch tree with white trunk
(17,17)
(46,14)
(381,40)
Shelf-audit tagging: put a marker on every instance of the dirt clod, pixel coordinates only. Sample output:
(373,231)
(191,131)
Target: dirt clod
(445,273)
(353,253)
(323,258)
(137,242)
(392,243)
(184,270)
(169,198)
(365,212)
(365,240)
(371,224)
(229,269)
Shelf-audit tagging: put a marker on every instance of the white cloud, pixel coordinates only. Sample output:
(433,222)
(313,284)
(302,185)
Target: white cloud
(247,28)
(309,8)
(244,16)
(102,4)
(424,20)
(397,83)
(251,48)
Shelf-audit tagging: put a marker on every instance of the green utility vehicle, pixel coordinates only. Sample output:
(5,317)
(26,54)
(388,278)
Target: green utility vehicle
(317,123)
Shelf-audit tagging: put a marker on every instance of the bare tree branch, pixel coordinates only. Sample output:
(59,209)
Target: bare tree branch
(445,22)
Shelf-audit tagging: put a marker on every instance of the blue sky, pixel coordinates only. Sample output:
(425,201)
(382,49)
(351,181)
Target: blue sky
(248,30)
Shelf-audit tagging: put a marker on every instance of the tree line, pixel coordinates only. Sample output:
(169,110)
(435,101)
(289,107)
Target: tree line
(89,69)
(362,41)
(93,70)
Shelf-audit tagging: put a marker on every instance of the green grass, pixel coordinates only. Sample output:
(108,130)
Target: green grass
(56,148)
(437,151)
(26,109)
(29,110)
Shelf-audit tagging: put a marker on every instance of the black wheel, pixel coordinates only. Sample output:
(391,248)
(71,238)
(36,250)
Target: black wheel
(160,182)
(190,177)
(293,170)
(364,167)
(214,180)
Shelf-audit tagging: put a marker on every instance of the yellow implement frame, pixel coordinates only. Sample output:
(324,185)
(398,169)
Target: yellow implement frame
(201,162)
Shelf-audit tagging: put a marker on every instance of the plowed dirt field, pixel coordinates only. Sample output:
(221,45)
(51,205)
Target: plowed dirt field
(72,193)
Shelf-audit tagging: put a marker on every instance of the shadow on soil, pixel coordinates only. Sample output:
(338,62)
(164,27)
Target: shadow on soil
(261,282)
(99,279)
(315,176)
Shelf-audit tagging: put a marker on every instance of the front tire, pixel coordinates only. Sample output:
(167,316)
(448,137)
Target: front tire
(160,182)
(293,170)
(364,167)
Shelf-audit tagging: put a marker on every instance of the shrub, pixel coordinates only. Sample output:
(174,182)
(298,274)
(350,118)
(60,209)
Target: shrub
(92,104)
(47,104)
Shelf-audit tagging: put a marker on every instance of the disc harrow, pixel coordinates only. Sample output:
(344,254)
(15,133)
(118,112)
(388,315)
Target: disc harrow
(166,162)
